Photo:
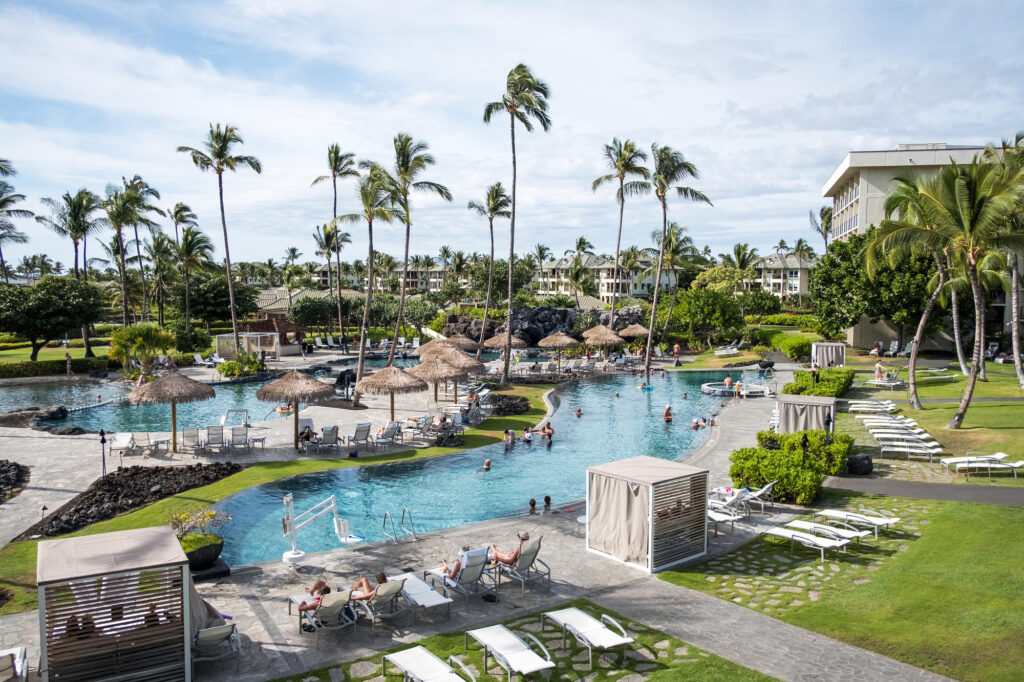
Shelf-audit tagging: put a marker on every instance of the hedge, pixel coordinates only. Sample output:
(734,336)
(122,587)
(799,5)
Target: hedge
(799,478)
(832,382)
(795,346)
(17,345)
(782,320)
(9,370)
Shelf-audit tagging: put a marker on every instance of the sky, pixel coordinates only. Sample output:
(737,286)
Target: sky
(765,98)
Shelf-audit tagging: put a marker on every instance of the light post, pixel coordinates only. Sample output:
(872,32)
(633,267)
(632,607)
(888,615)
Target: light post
(103,450)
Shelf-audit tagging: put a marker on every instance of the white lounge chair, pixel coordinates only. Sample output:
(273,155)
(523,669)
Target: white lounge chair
(197,361)
(14,664)
(216,643)
(419,664)
(122,443)
(808,540)
(329,439)
(142,444)
(589,631)
(527,567)
(873,409)
(512,653)
(318,343)
(387,438)
(759,496)
(865,517)
(333,613)
(420,594)
(472,578)
(415,342)
(388,603)
(891,430)
(909,449)
(190,441)
(836,529)
(240,437)
(330,343)
(893,347)
(972,457)
(361,435)
(217,359)
(215,437)
(905,353)
(991,465)
(401,342)
(730,516)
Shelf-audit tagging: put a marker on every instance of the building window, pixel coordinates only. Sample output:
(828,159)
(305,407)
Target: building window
(794,273)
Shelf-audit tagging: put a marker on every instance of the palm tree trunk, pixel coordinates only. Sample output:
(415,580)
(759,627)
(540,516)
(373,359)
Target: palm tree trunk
(405,274)
(75,242)
(337,255)
(976,357)
(657,288)
(618,244)
(915,401)
(671,307)
(3,266)
(124,276)
(1015,317)
(490,283)
(982,375)
(366,314)
(511,257)
(188,307)
(227,261)
(142,271)
(954,308)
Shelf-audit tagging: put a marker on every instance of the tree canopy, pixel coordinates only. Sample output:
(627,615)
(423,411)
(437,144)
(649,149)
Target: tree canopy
(52,308)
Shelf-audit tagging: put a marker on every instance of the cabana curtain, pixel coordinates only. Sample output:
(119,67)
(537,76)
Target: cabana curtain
(619,518)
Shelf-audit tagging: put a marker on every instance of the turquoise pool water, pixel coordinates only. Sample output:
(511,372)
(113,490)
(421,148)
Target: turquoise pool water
(448,491)
(71,394)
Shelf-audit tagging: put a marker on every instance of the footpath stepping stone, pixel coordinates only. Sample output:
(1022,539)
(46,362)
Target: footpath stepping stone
(861,581)
(663,644)
(682,651)
(796,602)
(362,668)
(336,674)
(787,588)
(814,596)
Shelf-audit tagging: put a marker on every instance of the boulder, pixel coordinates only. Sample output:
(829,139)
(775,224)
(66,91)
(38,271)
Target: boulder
(859,465)
(53,412)
(505,405)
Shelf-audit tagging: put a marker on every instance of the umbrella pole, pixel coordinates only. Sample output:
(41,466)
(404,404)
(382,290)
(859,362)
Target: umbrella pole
(392,396)
(174,427)
(559,360)
(296,425)
(456,392)
(435,391)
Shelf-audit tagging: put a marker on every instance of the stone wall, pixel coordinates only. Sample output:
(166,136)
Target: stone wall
(533,324)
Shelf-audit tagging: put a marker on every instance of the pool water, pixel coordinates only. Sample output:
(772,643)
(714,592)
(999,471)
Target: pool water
(443,492)
(72,394)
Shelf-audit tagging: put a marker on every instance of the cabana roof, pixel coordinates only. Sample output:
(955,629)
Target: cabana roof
(806,399)
(647,470)
(88,556)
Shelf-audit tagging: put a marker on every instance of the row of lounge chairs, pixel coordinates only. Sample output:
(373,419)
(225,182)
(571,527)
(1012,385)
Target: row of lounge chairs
(837,528)
(976,461)
(900,436)
(218,438)
(735,506)
(893,351)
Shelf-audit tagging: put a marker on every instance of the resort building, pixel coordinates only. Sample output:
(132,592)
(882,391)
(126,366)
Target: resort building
(553,278)
(784,275)
(859,185)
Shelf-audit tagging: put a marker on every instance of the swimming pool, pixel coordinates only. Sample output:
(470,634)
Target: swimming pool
(70,394)
(443,492)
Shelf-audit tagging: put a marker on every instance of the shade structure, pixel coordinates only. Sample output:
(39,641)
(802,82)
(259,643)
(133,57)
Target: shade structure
(432,347)
(805,413)
(828,353)
(295,387)
(391,380)
(458,359)
(558,341)
(633,331)
(463,342)
(602,335)
(171,388)
(498,341)
(435,369)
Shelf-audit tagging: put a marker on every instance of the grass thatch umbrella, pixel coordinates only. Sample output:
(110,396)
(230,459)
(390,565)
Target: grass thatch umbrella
(435,369)
(463,342)
(602,335)
(460,360)
(558,341)
(633,331)
(498,341)
(295,387)
(171,388)
(391,380)
(434,347)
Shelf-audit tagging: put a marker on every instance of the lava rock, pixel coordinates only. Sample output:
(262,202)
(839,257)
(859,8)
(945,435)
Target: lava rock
(859,465)
(53,413)
(505,405)
(13,476)
(71,430)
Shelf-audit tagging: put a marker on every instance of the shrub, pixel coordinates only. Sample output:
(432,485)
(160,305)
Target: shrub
(558,301)
(832,382)
(780,457)
(7,337)
(9,370)
(760,302)
(197,339)
(194,541)
(761,351)
(794,346)
(784,320)
(229,369)
(15,345)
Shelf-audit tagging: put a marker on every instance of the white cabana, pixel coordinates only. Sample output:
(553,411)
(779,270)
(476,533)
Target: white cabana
(806,413)
(828,353)
(251,342)
(647,512)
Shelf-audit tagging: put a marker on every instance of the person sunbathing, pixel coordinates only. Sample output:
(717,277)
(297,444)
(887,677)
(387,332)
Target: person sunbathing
(318,590)
(454,569)
(306,435)
(365,588)
(508,558)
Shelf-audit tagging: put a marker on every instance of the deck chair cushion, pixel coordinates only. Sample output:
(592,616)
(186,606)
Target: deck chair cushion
(213,637)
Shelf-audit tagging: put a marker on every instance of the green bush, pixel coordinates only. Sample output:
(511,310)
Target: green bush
(493,313)
(197,339)
(558,301)
(759,302)
(15,345)
(7,337)
(9,370)
(783,320)
(799,478)
(794,346)
(832,382)
(79,343)
(105,329)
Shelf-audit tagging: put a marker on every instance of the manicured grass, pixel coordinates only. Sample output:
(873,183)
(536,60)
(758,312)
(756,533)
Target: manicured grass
(23,354)
(654,655)
(18,559)
(709,360)
(944,592)
(997,386)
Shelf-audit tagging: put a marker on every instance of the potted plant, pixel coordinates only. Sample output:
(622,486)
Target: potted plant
(194,529)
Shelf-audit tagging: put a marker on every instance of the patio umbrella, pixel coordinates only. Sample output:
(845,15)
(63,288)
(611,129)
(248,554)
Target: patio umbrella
(435,369)
(603,336)
(463,342)
(498,341)
(391,380)
(171,388)
(460,360)
(558,341)
(295,387)
(633,331)
(434,347)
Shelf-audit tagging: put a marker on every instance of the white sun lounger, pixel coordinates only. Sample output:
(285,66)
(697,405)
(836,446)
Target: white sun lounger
(420,594)
(909,448)
(865,517)
(892,430)
(512,653)
(991,465)
(589,631)
(876,409)
(419,664)
(837,529)
(808,540)
(14,664)
(972,457)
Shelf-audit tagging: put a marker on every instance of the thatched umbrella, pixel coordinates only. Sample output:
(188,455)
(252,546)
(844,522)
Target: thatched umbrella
(602,335)
(633,331)
(435,369)
(295,387)
(434,347)
(391,380)
(171,388)
(460,360)
(558,340)
(463,342)
(498,341)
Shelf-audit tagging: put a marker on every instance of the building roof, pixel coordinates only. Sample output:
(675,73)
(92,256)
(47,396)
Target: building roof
(785,260)
(276,300)
(795,399)
(927,155)
(94,555)
(647,470)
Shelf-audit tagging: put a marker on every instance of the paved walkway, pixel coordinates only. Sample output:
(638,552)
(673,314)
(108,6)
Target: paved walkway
(987,494)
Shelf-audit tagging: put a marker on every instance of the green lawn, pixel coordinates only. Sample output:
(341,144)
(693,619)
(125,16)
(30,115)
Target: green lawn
(944,592)
(18,559)
(23,354)
(654,655)
(997,386)
(709,360)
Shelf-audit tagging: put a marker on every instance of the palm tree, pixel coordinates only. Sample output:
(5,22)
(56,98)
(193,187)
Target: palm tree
(678,249)
(541,253)
(324,240)
(582,246)
(8,233)
(580,281)
(216,156)
(182,216)
(121,206)
(669,167)
(194,252)
(742,258)
(271,270)
(293,278)
(495,205)
(625,160)
(804,252)
(525,98)
(7,168)
(822,225)
(411,161)
(73,217)
(629,262)
(160,251)
(291,254)
(375,197)
(782,248)
(340,165)
(444,254)
(144,193)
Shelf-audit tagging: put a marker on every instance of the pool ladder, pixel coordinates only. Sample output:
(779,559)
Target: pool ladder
(392,535)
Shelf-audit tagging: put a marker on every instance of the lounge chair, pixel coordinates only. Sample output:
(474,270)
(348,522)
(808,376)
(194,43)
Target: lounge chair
(240,437)
(589,631)
(319,344)
(190,441)
(142,443)
(215,644)
(14,664)
(737,502)
(894,430)
(330,343)
(418,663)
(333,613)
(215,437)
(387,603)
(387,438)
(197,361)
(472,579)
(893,347)
(420,594)
(807,540)
(836,530)
(874,409)
(730,516)
(991,465)
(905,353)
(217,359)
(865,517)
(510,652)
(122,443)
(415,342)
(525,568)
(972,457)
(329,439)
(909,449)
(726,352)
(759,496)
(361,435)
(876,349)
(401,342)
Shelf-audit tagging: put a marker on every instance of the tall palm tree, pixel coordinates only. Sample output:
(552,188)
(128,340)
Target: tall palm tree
(8,233)
(541,253)
(291,254)
(7,168)
(411,161)
(217,156)
(375,198)
(668,168)
(625,160)
(822,225)
(339,165)
(144,192)
(678,249)
(583,246)
(495,205)
(74,217)
(780,249)
(160,251)
(525,100)
(121,206)
(580,280)
(742,258)
(293,277)
(181,216)
(629,262)
(194,252)
(444,254)
(804,252)
(324,240)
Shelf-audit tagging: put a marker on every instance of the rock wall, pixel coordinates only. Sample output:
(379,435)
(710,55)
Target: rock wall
(533,324)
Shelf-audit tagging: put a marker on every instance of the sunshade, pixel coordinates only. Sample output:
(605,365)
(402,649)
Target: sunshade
(295,387)
(171,388)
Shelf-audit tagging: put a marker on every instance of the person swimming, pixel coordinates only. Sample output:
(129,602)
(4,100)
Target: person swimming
(684,395)
(487,465)
(616,394)
(695,424)
(667,416)
(527,436)
(578,413)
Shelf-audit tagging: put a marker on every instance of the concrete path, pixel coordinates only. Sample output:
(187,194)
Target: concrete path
(987,494)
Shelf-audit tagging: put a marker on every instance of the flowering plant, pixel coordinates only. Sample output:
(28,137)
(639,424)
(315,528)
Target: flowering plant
(197,521)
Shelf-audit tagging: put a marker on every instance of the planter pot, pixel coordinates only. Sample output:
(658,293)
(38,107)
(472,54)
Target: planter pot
(204,557)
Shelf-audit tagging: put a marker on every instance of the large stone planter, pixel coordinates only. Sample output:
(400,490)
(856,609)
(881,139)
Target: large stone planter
(204,557)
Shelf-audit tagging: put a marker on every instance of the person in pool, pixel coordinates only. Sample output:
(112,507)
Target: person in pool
(527,436)
(487,465)
(667,416)
(546,431)
(578,413)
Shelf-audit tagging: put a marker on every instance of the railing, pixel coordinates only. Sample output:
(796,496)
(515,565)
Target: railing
(411,530)
(393,535)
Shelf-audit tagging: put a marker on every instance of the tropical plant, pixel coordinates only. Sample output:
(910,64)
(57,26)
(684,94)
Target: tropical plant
(46,310)
(8,233)
(339,165)
(7,168)
(181,216)
(122,206)
(160,251)
(625,161)
(676,251)
(143,192)
(581,281)
(525,100)
(742,258)
(216,155)
(74,217)
(583,246)
(291,254)
(541,253)
(495,205)
(444,254)
(194,252)
(822,225)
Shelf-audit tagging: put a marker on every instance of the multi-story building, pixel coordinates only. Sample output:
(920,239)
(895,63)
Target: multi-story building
(859,185)
(553,278)
(785,275)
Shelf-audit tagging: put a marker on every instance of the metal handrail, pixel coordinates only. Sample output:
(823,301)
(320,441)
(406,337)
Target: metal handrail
(393,536)
(411,530)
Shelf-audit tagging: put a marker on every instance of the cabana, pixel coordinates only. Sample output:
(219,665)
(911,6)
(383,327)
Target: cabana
(828,353)
(647,512)
(806,413)
(251,342)
(117,605)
